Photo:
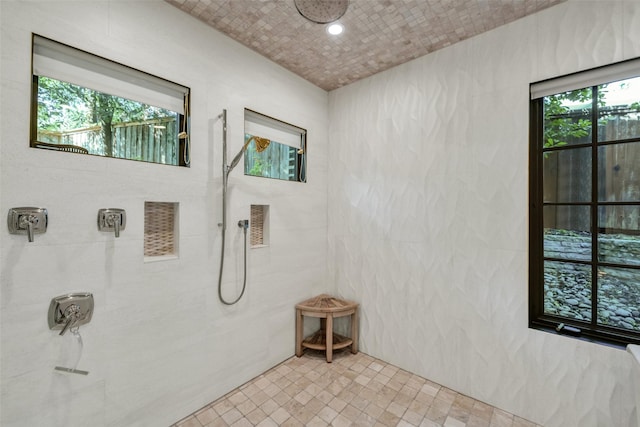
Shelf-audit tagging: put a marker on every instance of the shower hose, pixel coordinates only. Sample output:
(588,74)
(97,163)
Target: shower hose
(244,281)
(244,224)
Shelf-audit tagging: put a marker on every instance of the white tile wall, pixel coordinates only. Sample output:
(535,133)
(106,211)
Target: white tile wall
(426,223)
(428,171)
(160,345)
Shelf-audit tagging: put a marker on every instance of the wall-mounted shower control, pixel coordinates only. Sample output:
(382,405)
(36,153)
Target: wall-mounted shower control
(70,311)
(112,220)
(29,221)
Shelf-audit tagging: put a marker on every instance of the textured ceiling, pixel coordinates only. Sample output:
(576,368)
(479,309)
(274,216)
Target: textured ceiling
(378,35)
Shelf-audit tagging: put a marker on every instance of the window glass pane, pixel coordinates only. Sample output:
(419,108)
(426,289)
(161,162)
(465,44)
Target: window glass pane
(275,161)
(567,232)
(567,118)
(567,175)
(618,296)
(567,290)
(619,172)
(78,119)
(619,110)
(619,234)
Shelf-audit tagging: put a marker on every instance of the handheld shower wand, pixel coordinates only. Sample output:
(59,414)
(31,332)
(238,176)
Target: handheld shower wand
(261,145)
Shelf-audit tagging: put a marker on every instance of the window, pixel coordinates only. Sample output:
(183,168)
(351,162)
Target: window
(584,259)
(276,149)
(87,104)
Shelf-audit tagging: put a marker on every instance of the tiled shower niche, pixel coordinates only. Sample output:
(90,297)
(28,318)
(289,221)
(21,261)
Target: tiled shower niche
(160,230)
(259,226)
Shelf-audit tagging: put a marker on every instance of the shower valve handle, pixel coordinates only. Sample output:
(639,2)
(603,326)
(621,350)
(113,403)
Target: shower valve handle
(28,222)
(113,220)
(72,315)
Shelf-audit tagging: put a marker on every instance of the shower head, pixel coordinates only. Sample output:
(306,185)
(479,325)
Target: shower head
(322,11)
(261,145)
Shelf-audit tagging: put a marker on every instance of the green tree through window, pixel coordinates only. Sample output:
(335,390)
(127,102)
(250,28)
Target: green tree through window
(68,109)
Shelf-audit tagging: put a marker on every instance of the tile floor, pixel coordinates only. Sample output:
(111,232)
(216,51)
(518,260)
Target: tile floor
(354,390)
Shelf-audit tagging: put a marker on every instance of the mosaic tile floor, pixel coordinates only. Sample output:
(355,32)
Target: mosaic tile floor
(354,390)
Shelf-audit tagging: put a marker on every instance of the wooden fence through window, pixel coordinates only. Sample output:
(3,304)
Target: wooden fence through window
(150,140)
(568,179)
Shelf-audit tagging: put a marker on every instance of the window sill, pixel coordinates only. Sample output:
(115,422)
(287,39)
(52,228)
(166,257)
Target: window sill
(585,335)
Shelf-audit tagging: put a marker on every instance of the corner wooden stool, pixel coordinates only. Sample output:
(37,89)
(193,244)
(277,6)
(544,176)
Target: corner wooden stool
(326,308)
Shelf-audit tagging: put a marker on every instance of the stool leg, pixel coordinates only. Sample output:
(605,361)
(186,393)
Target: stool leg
(329,337)
(354,332)
(299,328)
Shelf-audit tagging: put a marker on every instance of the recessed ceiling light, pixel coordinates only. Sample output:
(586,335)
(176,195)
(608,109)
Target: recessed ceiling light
(335,29)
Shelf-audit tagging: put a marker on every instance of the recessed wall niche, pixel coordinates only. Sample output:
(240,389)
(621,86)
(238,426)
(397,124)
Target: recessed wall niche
(160,230)
(259,226)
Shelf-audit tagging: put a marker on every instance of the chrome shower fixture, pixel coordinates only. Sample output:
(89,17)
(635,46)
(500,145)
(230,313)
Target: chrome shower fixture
(27,221)
(322,11)
(112,219)
(67,313)
(70,311)
(261,145)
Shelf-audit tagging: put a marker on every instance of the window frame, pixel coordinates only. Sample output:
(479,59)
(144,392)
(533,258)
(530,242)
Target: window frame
(590,330)
(129,76)
(272,129)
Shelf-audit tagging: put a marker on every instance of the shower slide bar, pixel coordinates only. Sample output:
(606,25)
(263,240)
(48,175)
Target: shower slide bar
(244,224)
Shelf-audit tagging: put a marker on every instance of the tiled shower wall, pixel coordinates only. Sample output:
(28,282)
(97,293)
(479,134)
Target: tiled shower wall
(427,223)
(428,216)
(160,345)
